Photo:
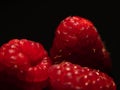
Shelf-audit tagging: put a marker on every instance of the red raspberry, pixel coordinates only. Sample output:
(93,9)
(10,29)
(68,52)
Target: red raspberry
(68,76)
(26,62)
(77,40)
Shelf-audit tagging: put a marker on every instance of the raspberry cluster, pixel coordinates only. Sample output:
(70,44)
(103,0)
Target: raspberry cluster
(77,60)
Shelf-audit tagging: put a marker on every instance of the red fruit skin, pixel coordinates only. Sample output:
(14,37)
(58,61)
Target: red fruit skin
(77,40)
(68,76)
(24,63)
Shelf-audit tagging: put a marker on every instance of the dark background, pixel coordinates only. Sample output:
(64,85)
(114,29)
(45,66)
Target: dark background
(38,20)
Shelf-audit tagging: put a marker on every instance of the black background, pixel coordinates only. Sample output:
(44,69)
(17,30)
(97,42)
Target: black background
(38,20)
